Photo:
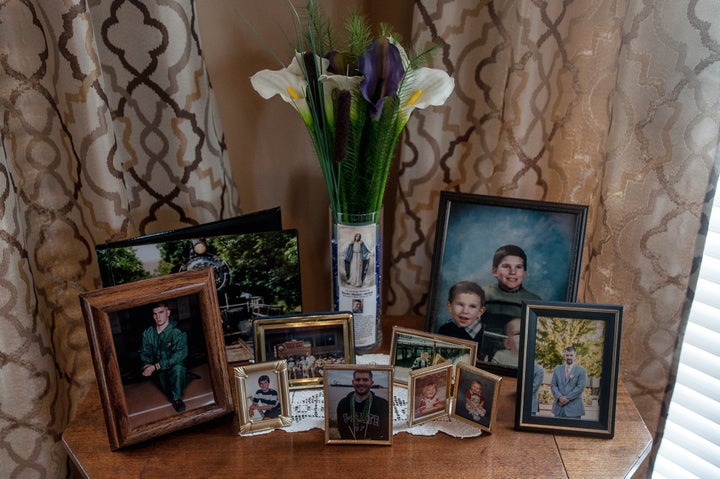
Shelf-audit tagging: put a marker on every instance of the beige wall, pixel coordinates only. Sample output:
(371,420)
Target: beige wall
(270,151)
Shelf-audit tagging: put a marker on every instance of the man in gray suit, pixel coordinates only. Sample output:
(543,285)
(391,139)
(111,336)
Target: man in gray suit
(568,384)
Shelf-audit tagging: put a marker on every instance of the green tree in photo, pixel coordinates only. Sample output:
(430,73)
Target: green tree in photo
(263,264)
(555,334)
(173,255)
(120,265)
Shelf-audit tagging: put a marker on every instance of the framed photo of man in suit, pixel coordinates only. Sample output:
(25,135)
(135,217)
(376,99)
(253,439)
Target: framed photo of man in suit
(567,379)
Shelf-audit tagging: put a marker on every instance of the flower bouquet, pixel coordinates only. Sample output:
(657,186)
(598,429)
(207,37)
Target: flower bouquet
(355,101)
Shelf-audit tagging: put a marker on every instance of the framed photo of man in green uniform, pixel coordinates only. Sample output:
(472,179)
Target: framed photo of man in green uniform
(158,354)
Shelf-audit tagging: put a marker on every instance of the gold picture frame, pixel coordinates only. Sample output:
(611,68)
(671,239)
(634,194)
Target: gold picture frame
(472,405)
(343,424)
(308,342)
(407,348)
(255,411)
(429,393)
(139,406)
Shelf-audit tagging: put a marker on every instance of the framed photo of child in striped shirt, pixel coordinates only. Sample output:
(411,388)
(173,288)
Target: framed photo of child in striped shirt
(262,397)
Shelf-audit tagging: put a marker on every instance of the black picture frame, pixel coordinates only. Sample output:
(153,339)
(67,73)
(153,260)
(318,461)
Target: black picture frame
(139,407)
(548,328)
(470,230)
(256,222)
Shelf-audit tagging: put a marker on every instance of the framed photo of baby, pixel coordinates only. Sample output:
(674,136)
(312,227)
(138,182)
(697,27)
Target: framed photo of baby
(429,393)
(569,356)
(490,255)
(475,398)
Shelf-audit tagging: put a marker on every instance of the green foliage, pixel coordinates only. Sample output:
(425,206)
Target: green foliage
(359,36)
(264,265)
(173,254)
(319,31)
(120,265)
(356,182)
(555,334)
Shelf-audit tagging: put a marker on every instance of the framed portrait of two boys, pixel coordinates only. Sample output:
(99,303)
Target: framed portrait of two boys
(491,254)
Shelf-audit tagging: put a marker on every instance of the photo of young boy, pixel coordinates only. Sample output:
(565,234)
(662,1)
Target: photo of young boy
(466,305)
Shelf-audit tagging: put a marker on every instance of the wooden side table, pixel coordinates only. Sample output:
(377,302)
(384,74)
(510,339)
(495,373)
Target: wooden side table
(212,450)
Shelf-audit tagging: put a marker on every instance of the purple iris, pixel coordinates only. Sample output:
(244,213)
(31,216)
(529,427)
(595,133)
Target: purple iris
(382,68)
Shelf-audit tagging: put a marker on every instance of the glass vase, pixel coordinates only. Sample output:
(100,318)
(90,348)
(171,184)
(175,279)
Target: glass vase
(356,246)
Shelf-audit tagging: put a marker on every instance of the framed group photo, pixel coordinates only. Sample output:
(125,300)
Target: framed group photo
(429,393)
(262,397)
(157,350)
(358,404)
(568,380)
(476,396)
(490,255)
(308,342)
(412,350)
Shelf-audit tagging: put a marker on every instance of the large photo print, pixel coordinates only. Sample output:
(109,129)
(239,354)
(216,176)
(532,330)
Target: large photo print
(490,255)
(257,275)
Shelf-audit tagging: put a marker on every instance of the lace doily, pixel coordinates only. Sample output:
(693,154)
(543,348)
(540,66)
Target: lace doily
(308,411)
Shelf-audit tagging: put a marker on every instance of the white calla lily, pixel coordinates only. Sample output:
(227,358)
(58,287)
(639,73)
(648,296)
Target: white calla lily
(290,83)
(341,82)
(331,83)
(426,87)
(356,121)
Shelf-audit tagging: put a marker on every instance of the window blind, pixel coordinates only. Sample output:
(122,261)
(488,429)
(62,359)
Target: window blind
(690,447)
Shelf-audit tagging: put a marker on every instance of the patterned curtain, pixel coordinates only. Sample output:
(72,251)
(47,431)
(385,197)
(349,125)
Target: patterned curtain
(109,130)
(612,104)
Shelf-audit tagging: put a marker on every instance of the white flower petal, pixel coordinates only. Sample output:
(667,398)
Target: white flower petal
(341,82)
(427,87)
(269,83)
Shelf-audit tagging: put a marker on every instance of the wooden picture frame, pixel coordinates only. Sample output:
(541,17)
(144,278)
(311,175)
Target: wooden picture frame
(344,425)
(236,258)
(429,393)
(258,387)
(412,349)
(476,396)
(585,337)
(511,249)
(308,342)
(119,323)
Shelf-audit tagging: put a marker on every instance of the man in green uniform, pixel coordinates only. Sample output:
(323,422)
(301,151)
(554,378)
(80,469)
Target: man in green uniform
(164,349)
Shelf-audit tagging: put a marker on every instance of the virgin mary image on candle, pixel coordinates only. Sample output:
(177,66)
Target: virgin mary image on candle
(357,261)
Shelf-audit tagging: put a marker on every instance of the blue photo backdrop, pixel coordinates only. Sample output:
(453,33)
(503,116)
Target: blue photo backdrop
(472,230)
